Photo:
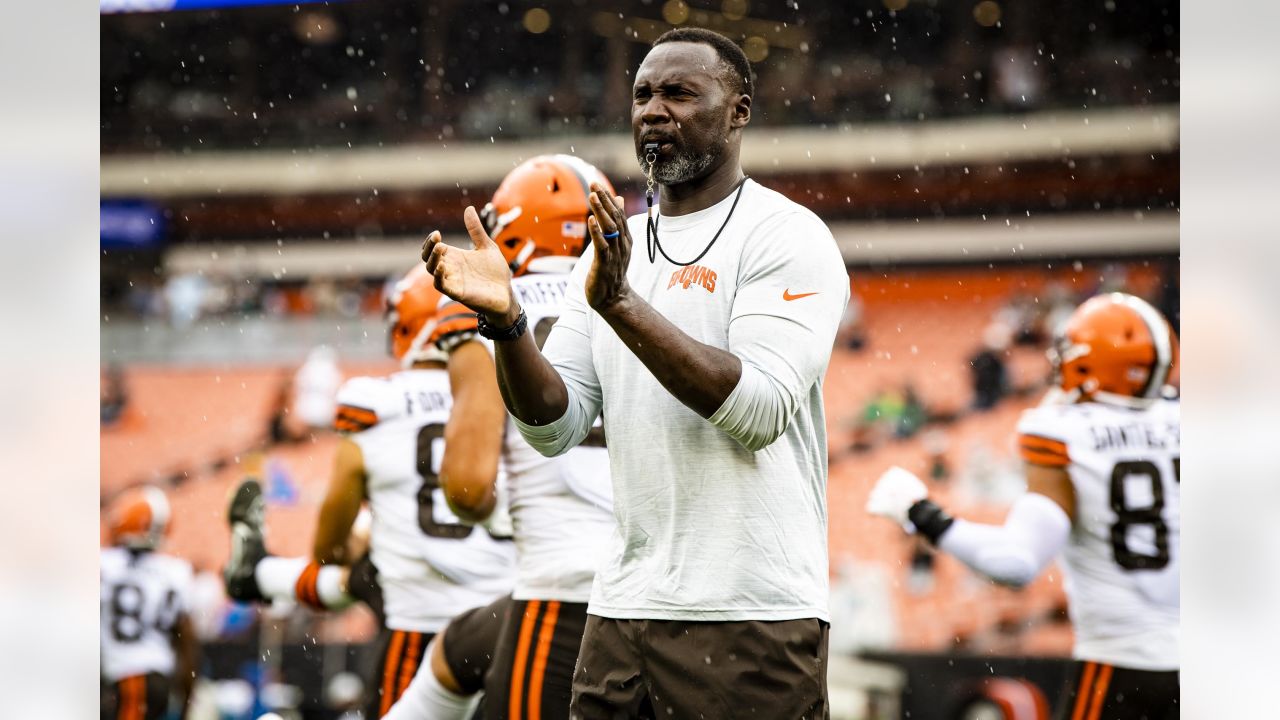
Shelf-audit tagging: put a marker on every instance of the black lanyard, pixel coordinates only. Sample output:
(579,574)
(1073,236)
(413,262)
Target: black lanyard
(651,232)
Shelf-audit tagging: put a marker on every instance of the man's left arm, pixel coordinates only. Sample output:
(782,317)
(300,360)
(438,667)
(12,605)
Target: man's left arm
(792,292)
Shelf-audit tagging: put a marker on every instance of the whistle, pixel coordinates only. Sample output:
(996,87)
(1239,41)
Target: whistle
(651,147)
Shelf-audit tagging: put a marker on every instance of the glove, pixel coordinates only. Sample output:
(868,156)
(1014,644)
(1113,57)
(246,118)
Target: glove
(894,494)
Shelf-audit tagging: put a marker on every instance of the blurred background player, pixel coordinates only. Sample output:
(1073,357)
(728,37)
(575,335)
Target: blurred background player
(1102,468)
(148,642)
(522,650)
(315,387)
(308,398)
(430,566)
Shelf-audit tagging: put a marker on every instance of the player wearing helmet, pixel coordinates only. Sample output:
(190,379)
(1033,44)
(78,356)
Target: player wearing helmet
(402,435)
(540,210)
(1102,465)
(148,642)
(522,650)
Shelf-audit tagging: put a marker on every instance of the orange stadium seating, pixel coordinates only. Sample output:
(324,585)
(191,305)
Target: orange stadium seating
(180,420)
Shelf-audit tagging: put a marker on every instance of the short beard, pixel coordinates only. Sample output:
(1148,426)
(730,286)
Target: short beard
(685,166)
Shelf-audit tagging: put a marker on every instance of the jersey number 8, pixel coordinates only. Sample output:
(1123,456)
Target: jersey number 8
(430,482)
(1127,517)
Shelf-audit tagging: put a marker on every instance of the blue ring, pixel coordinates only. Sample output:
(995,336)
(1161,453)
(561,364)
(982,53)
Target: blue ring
(612,235)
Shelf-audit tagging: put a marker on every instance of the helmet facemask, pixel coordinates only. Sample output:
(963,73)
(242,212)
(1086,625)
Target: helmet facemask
(516,253)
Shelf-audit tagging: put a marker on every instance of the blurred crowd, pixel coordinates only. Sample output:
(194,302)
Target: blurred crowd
(376,71)
(184,298)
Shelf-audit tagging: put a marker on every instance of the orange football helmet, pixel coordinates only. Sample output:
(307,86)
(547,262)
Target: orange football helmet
(139,518)
(541,209)
(1115,347)
(420,318)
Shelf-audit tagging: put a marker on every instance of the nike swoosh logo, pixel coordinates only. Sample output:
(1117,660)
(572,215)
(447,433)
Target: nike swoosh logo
(786,295)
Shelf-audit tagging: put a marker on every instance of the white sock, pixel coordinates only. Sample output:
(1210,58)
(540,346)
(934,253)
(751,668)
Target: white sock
(427,699)
(329,586)
(277,576)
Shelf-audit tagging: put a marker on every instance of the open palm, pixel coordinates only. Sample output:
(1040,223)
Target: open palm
(478,278)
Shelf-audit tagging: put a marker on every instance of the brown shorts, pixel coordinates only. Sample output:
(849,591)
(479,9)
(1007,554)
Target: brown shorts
(532,674)
(399,654)
(690,670)
(1098,690)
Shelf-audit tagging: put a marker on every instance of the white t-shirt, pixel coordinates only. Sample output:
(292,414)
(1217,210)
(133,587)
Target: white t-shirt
(431,565)
(1120,567)
(142,597)
(726,518)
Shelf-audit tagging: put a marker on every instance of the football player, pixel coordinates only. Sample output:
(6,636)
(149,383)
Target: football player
(1101,457)
(522,650)
(402,434)
(148,642)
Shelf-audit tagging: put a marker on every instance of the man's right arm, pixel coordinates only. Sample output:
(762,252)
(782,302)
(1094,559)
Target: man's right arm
(544,393)
(533,391)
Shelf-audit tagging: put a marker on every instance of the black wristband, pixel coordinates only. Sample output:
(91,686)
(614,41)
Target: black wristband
(506,334)
(930,520)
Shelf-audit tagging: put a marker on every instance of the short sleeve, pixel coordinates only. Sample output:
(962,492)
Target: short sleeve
(1041,440)
(364,402)
(455,324)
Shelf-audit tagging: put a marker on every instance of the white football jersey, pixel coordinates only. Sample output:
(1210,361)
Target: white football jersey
(142,596)
(431,565)
(561,507)
(1121,563)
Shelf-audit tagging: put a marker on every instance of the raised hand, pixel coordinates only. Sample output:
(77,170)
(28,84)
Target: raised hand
(479,278)
(607,280)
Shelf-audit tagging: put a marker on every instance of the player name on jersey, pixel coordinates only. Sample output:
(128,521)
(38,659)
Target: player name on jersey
(426,401)
(533,290)
(1135,435)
